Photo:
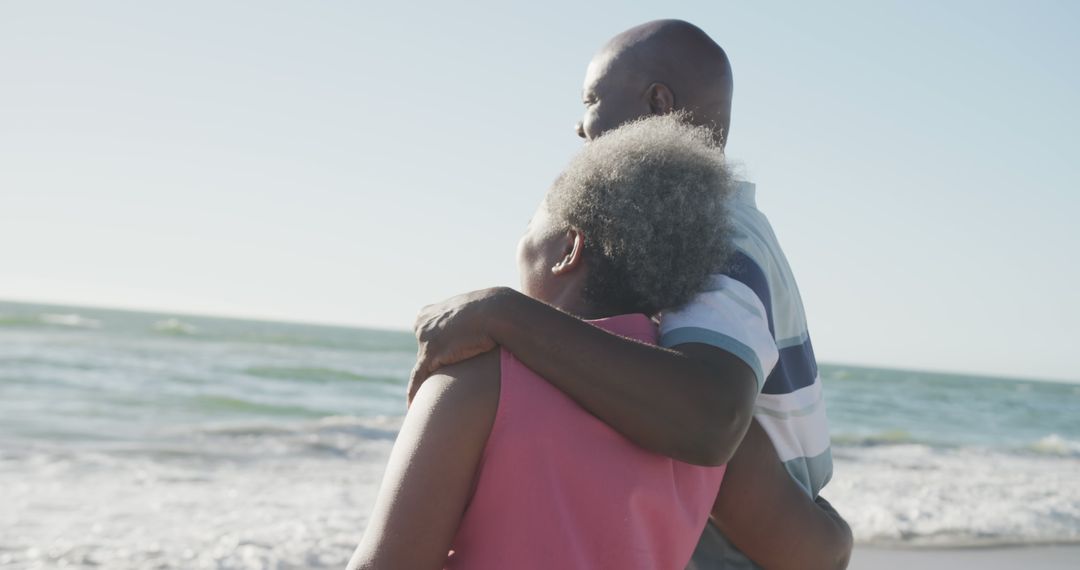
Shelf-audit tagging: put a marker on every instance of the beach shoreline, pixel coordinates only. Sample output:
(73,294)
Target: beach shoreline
(203,442)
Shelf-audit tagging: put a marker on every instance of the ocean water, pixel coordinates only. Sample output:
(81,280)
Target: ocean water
(136,440)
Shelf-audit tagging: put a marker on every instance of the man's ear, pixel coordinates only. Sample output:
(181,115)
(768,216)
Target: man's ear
(661,99)
(573,254)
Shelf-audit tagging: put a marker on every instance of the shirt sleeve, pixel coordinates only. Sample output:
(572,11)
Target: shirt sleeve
(729,316)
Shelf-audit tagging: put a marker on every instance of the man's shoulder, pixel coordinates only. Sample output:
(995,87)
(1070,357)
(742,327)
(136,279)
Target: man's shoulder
(727,315)
(722,293)
(748,220)
(759,260)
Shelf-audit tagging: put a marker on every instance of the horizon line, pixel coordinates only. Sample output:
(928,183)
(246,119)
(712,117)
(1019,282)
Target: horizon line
(340,324)
(234,316)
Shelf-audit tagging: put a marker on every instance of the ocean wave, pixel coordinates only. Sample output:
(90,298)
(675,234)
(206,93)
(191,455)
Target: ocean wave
(174,326)
(68,320)
(317,374)
(74,320)
(282,513)
(212,403)
(891,437)
(1054,444)
(384,426)
(1050,445)
(917,495)
(351,339)
(353,439)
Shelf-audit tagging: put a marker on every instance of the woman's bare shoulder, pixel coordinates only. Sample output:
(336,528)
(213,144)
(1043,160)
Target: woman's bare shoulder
(472,383)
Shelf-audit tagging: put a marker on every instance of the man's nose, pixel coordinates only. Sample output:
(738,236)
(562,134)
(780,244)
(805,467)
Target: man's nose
(579,128)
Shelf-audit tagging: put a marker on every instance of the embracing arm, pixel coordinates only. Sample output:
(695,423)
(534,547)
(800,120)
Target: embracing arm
(429,478)
(770,518)
(691,403)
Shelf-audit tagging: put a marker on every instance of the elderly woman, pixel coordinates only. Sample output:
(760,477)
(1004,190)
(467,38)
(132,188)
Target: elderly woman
(495,468)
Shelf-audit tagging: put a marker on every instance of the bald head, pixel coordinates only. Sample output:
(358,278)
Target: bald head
(655,68)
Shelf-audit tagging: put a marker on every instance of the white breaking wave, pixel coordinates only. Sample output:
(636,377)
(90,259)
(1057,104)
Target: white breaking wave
(264,495)
(1054,444)
(69,320)
(919,495)
(175,326)
(263,507)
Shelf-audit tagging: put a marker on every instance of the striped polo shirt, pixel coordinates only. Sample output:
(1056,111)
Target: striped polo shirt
(790,406)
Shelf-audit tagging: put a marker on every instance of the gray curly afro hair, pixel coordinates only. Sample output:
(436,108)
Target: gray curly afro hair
(651,198)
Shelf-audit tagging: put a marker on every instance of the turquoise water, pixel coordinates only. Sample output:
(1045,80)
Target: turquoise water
(154,440)
(870,406)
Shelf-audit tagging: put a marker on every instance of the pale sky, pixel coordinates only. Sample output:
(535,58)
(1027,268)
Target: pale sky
(349,162)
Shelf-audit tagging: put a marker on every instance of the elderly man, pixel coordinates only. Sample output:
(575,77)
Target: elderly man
(693,397)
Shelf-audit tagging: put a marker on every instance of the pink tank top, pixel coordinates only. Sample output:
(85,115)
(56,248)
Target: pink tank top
(559,489)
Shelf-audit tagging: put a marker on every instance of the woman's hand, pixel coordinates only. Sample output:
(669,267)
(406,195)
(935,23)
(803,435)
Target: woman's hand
(454,330)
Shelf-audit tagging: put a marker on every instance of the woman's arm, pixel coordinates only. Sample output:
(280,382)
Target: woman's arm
(432,468)
(690,403)
(771,519)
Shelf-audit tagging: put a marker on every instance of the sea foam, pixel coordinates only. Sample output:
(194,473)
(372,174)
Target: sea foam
(246,497)
(919,495)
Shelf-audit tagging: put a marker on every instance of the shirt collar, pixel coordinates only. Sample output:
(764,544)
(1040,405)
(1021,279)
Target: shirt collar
(746,192)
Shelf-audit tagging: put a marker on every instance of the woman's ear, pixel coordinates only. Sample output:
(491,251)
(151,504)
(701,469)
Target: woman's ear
(573,253)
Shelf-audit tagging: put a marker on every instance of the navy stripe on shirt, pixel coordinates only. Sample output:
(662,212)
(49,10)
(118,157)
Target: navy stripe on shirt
(796,369)
(746,271)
